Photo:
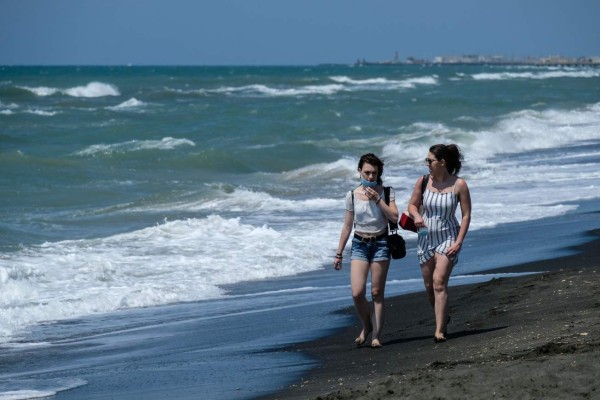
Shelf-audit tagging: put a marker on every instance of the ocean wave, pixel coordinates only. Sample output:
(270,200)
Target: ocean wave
(167,143)
(370,81)
(537,162)
(241,200)
(329,171)
(40,90)
(500,76)
(42,113)
(528,130)
(520,131)
(281,92)
(262,90)
(384,83)
(283,216)
(92,89)
(341,84)
(12,108)
(130,104)
(158,265)
(176,92)
(40,388)
(9,106)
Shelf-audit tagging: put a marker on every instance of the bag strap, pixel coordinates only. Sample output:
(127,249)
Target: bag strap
(423,186)
(386,192)
(353,212)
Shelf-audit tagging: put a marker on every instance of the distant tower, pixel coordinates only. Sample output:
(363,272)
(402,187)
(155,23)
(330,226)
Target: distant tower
(395,56)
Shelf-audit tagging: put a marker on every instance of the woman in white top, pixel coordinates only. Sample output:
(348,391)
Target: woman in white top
(368,212)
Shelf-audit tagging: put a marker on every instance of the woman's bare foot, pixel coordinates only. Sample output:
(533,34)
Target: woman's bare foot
(376,344)
(439,337)
(362,338)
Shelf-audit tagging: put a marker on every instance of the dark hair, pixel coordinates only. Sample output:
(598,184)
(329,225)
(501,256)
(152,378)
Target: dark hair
(372,159)
(451,154)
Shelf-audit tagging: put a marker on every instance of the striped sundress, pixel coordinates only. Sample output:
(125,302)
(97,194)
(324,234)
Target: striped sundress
(440,217)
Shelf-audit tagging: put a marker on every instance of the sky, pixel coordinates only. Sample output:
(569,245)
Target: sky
(289,32)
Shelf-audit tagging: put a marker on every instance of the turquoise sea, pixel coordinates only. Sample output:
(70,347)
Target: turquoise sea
(176,225)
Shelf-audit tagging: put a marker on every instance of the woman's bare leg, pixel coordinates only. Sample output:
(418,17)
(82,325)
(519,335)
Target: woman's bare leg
(379,270)
(359,272)
(427,272)
(441,275)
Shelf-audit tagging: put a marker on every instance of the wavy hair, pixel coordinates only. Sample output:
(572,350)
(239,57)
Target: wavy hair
(451,154)
(372,159)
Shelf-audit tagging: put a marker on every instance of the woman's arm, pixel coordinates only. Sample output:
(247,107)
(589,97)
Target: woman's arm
(464,196)
(389,210)
(346,230)
(415,203)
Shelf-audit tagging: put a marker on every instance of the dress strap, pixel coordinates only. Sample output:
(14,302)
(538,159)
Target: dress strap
(454,186)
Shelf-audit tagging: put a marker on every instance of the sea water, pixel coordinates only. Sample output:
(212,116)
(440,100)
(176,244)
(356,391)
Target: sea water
(220,189)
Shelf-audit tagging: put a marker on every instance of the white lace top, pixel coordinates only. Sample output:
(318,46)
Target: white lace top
(368,217)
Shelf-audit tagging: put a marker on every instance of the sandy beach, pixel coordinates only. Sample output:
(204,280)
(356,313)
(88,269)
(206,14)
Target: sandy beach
(528,337)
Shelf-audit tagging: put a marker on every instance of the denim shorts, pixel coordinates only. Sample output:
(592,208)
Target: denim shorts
(370,251)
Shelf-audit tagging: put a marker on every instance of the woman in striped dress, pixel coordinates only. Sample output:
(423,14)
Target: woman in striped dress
(439,247)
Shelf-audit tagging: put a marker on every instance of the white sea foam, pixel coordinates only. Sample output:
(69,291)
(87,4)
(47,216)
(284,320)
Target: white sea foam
(26,394)
(92,89)
(516,132)
(12,109)
(243,200)
(280,92)
(384,83)
(529,130)
(41,90)
(42,113)
(130,104)
(39,388)
(371,81)
(492,175)
(167,143)
(500,76)
(328,171)
(173,262)
(342,83)
(9,106)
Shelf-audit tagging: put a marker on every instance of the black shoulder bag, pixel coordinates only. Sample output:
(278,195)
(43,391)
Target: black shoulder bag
(396,243)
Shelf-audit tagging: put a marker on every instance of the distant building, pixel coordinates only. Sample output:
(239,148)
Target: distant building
(476,59)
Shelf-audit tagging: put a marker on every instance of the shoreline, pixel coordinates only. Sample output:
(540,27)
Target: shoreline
(501,332)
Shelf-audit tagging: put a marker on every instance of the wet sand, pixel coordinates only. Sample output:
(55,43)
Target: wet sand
(527,337)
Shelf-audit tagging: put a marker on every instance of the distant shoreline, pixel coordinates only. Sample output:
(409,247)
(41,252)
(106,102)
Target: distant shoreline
(514,63)
(475,59)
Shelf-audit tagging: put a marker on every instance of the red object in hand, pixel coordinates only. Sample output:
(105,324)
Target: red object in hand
(407,223)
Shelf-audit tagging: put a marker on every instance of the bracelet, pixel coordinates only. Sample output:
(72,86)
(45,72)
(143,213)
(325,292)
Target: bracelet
(339,256)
